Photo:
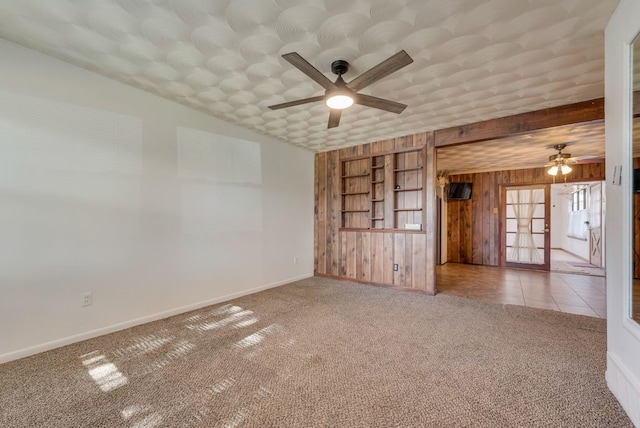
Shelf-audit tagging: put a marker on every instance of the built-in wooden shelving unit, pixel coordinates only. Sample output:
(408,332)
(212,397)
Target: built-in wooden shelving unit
(383,191)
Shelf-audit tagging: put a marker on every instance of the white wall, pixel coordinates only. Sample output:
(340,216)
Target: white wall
(560,206)
(623,335)
(96,196)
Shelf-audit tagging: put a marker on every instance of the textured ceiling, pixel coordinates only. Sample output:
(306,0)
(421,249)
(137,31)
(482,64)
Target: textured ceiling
(473,60)
(585,142)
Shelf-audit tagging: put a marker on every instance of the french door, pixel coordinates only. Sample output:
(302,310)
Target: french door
(525,227)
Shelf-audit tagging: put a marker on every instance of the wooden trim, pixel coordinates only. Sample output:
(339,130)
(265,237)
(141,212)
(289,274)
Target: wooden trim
(418,168)
(385,152)
(363,229)
(377,284)
(586,111)
(355,176)
(409,189)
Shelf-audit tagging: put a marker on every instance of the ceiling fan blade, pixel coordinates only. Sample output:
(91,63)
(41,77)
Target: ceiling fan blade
(297,102)
(380,103)
(586,159)
(334,118)
(303,65)
(385,68)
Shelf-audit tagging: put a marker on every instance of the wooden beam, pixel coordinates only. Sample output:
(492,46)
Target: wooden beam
(586,111)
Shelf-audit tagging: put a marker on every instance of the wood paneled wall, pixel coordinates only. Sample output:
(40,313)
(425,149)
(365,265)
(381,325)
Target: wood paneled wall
(369,255)
(473,225)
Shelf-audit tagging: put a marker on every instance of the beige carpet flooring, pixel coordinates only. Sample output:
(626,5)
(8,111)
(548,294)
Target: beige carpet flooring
(324,353)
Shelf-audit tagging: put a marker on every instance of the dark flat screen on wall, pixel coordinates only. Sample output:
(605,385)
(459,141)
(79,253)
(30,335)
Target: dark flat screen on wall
(459,191)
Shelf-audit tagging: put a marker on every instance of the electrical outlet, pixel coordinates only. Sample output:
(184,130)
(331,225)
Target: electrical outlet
(87,298)
(395,267)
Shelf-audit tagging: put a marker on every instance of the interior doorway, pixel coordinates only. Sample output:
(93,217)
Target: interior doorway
(577,235)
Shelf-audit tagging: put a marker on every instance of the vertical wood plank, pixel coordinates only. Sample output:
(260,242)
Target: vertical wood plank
(407,258)
(349,258)
(358,255)
(342,257)
(486,217)
(495,218)
(419,263)
(377,258)
(387,262)
(333,187)
(366,255)
(477,211)
(453,231)
(398,258)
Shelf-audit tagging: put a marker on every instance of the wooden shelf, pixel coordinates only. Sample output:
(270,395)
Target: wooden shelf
(407,209)
(408,190)
(377,219)
(355,211)
(377,200)
(380,230)
(377,181)
(356,175)
(355,193)
(418,168)
(377,166)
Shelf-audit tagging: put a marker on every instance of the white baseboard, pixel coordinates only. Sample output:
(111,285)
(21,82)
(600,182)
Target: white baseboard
(624,386)
(32,350)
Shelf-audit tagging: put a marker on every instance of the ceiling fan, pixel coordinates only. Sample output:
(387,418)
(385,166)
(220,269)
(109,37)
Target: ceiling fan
(340,94)
(559,162)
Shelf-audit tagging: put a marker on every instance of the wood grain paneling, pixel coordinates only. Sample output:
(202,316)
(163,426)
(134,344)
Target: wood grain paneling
(369,253)
(473,225)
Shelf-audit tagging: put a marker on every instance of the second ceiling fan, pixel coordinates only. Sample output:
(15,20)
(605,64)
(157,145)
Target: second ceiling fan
(560,161)
(340,94)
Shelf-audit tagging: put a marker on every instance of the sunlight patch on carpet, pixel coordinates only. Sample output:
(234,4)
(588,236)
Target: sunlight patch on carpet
(105,374)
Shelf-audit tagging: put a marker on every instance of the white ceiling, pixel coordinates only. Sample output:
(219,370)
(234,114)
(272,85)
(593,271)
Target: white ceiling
(473,60)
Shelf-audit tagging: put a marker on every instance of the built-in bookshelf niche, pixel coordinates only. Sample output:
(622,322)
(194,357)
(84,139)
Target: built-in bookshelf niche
(408,189)
(383,191)
(356,193)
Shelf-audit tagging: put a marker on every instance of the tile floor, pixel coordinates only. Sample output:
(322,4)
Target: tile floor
(562,261)
(564,292)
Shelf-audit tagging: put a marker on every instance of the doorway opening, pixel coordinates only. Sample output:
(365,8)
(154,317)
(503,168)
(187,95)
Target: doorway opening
(577,238)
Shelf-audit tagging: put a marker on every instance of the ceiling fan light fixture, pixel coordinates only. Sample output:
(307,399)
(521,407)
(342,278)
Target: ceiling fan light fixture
(553,170)
(340,95)
(565,169)
(339,101)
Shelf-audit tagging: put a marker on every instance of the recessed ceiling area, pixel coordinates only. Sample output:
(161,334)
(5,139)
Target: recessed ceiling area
(473,60)
(529,150)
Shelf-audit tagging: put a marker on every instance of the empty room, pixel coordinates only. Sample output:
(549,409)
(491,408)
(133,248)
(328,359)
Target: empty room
(296,213)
